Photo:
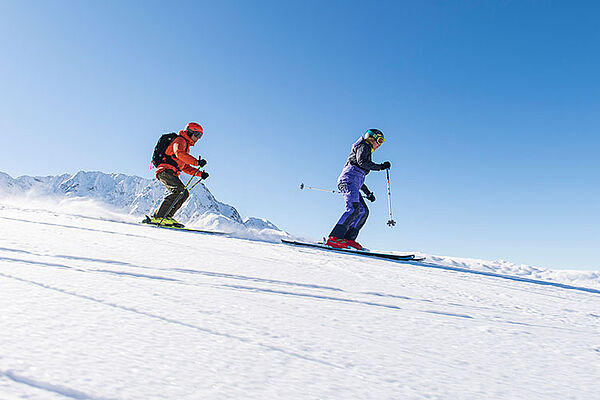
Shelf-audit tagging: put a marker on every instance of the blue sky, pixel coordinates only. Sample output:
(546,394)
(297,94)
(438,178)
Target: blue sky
(491,110)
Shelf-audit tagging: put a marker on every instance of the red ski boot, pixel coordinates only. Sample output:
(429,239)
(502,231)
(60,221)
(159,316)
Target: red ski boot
(354,244)
(336,242)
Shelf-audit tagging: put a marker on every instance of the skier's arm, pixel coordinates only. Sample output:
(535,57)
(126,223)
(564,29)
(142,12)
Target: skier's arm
(181,154)
(363,158)
(368,194)
(191,171)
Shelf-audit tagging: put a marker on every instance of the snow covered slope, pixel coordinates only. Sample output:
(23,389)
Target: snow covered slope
(134,195)
(97,309)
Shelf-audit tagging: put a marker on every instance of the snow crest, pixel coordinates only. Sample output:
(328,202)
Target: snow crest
(136,196)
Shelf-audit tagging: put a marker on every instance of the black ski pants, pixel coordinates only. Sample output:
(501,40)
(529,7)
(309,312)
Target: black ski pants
(179,194)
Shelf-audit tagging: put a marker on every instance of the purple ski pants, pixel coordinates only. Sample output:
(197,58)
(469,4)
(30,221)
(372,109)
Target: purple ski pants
(356,213)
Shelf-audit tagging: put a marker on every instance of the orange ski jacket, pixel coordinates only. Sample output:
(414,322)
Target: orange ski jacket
(179,151)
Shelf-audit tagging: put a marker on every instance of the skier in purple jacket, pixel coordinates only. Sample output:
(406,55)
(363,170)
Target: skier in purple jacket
(350,182)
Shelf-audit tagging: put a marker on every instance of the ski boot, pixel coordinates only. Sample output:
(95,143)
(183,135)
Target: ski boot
(170,221)
(166,221)
(151,220)
(354,244)
(336,243)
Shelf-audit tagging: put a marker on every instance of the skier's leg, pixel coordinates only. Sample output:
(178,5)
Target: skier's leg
(344,224)
(350,215)
(184,196)
(176,187)
(352,233)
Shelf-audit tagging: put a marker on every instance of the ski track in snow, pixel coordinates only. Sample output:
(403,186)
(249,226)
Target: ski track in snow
(165,319)
(49,388)
(221,275)
(96,309)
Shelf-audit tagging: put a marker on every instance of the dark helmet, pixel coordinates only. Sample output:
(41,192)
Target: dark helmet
(375,134)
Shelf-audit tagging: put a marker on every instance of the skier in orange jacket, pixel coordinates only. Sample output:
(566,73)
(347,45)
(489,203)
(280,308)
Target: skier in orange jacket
(170,162)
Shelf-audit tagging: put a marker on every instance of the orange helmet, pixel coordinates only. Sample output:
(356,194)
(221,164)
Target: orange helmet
(195,129)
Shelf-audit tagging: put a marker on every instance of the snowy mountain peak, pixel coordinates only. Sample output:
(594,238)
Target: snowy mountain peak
(135,196)
(259,223)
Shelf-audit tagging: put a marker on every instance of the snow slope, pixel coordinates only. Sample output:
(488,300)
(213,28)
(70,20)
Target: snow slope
(133,195)
(97,309)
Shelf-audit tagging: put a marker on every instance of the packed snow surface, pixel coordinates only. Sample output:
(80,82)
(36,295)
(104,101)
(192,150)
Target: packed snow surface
(94,308)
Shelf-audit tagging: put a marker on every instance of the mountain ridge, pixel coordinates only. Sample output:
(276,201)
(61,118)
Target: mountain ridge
(133,195)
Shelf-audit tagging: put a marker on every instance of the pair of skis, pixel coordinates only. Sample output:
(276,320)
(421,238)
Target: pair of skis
(147,220)
(387,256)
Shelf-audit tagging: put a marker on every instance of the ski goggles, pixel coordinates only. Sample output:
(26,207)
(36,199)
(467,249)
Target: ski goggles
(379,139)
(195,133)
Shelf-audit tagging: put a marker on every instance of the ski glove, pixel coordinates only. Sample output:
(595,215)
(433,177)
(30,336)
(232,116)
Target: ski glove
(204,175)
(386,165)
(201,162)
(370,196)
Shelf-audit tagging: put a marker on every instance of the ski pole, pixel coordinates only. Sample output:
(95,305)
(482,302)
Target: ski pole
(196,184)
(302,186)
(178,197)
(391,221)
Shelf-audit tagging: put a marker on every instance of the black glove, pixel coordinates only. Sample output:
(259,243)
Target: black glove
(386,165)
(370,196)
(204,175)
(201,162)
